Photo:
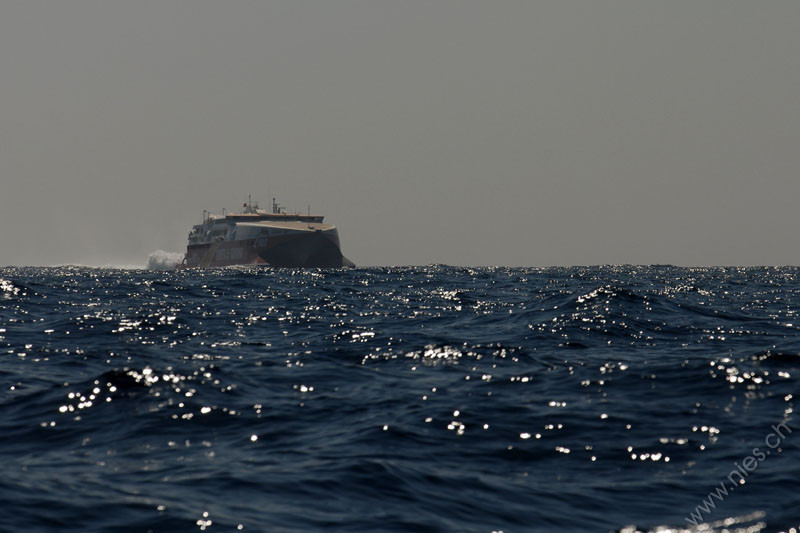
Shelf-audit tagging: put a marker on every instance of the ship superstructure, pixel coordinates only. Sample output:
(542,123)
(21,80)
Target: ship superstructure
(258,237)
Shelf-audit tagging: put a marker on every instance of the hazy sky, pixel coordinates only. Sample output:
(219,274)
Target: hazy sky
(434,131)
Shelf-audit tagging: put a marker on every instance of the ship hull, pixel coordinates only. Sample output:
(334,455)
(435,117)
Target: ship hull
(301,250)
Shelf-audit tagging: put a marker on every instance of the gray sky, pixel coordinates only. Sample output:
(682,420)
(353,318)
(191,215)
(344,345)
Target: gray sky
(451,131)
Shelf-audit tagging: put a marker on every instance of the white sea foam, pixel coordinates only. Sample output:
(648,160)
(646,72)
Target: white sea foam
(161,260)
(8,287)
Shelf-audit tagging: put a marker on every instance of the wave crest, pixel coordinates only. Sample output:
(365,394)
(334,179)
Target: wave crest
(161,260)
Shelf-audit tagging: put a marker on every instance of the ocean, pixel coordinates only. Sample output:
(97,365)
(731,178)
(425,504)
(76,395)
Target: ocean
(409,399)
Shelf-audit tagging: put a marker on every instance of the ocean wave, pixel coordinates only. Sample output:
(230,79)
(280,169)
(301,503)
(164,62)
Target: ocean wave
(161,260)
(8,288)
(396,398)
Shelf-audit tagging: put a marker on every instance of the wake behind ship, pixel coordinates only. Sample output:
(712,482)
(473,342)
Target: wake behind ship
(256,237)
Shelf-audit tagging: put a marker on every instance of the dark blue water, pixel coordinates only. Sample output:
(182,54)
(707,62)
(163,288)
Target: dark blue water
(399,399)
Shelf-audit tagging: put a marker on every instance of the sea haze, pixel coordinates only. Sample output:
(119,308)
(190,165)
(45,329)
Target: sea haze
(399,399)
